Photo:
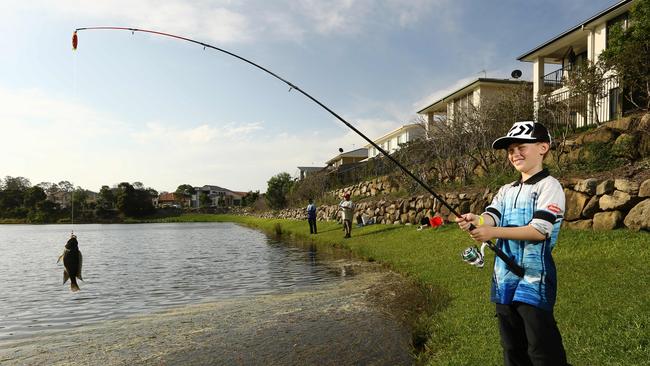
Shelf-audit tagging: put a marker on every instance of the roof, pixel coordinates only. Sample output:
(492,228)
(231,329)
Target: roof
(433,107)
(211,188)
(171,197)
(358,153)
(310,168)
(606,14)
(396,131)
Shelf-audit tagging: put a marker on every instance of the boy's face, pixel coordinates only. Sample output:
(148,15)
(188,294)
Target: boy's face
(527,157)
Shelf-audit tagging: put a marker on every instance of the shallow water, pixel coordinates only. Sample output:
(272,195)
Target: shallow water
(136,269)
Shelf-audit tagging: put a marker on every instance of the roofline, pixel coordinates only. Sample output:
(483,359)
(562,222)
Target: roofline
(403,127)
(477,81)
(343,155)
(575,28)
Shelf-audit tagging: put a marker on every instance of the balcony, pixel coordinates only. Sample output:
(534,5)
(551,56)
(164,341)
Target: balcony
(553,80)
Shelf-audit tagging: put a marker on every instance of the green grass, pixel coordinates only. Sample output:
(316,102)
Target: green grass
(603,307)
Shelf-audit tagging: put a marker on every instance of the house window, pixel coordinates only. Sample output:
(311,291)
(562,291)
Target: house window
(621,22)
(614,97)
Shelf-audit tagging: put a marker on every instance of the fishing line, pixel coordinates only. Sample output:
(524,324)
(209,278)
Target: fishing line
(514,267)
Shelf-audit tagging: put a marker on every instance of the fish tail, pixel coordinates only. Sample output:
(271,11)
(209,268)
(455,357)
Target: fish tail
(73,284)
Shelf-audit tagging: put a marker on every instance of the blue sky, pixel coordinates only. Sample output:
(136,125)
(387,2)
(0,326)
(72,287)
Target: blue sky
(164,112)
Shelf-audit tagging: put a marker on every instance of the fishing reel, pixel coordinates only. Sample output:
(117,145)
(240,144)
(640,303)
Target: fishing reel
(474,256)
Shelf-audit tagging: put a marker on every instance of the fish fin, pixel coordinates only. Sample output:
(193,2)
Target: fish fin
(65,276)
(73,285)
(81,262)
(59,260)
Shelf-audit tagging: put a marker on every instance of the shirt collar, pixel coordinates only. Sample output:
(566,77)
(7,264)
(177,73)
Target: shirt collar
(534,179)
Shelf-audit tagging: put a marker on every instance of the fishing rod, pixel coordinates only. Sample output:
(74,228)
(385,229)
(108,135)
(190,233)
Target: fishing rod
(470,255)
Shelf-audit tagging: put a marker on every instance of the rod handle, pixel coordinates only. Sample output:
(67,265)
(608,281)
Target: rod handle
(514,267)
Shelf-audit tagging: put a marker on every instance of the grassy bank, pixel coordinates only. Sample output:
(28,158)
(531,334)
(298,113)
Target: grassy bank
(603,308)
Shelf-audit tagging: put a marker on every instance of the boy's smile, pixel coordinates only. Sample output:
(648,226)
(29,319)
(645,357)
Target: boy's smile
(527,157)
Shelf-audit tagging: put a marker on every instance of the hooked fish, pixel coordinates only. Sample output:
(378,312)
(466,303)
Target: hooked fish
(72,261)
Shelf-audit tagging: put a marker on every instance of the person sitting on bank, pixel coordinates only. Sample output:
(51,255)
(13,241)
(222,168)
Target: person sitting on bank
(430,220)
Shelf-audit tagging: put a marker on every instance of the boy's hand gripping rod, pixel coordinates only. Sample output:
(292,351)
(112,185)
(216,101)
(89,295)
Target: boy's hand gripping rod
(514,267)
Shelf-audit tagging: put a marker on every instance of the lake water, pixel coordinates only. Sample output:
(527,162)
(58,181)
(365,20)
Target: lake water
(135,269)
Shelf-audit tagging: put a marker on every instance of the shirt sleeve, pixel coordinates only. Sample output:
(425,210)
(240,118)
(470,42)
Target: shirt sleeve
(549,207)
(495,209)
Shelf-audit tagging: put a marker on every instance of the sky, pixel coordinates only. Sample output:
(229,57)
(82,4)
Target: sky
(136,107)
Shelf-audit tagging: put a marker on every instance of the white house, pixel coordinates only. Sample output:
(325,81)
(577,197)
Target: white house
(391,141)
(218,196)
(470,95)
(566,51)
(309,170)
(349,157)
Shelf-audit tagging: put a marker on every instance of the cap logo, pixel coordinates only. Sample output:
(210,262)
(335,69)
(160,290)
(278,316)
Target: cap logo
(521,129)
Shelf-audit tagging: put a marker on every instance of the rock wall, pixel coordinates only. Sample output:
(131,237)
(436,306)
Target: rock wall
(590,204)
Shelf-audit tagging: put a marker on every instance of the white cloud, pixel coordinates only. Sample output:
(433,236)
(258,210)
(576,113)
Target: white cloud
(441,93)
(225,21)
(47,138)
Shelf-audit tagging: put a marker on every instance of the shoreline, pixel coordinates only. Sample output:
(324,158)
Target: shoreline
(359,320)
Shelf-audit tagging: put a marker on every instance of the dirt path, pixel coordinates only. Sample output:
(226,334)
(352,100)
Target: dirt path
(357,321)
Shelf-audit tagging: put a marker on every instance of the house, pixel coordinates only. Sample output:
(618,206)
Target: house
(166,199)
(349,157)
(307,170)
(217,196)
(468,97)
(565,52)
(391,141)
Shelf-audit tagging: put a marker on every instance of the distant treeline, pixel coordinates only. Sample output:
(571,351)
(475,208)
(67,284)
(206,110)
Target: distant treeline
(57,202)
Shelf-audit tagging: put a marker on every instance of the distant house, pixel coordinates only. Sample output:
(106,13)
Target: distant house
(307,170)
(349,157)
(470,96)
(566,52)
(167,199)
(391,141)
(218,196)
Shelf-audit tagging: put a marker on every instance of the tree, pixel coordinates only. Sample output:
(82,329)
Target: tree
(277,190)
(587,80)
(106,198)
(126,200)
(185,190)
(204,199)
(627,53)
(33,196)
(250,198)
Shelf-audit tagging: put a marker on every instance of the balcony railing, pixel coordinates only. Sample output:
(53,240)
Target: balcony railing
(579,110)
(554,80)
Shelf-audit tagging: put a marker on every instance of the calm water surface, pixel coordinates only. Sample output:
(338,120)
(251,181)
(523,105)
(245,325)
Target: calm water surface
(134,269)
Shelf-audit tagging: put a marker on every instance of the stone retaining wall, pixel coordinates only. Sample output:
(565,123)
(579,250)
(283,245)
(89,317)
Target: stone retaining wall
(590,204)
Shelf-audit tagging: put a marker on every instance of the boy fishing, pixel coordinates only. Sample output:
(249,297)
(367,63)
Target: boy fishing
(525,216)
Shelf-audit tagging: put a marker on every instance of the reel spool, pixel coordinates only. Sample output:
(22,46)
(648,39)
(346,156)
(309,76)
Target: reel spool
(473,256)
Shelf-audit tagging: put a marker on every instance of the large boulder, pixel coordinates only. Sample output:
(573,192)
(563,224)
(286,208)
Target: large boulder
(607,220)
(575,203)
(622,124)
(602,135)
(605,187)
(591,207)
(639,216)
(578,225)
(586,186)
(618,201)
(626,146)
(644,189)
(626,186)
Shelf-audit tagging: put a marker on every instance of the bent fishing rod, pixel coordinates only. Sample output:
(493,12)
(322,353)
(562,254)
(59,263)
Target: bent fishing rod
(471,255)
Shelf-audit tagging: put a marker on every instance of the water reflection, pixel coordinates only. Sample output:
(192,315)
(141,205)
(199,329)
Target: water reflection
(131,269)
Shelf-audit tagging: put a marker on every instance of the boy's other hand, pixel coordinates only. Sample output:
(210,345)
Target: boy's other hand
(464,221)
